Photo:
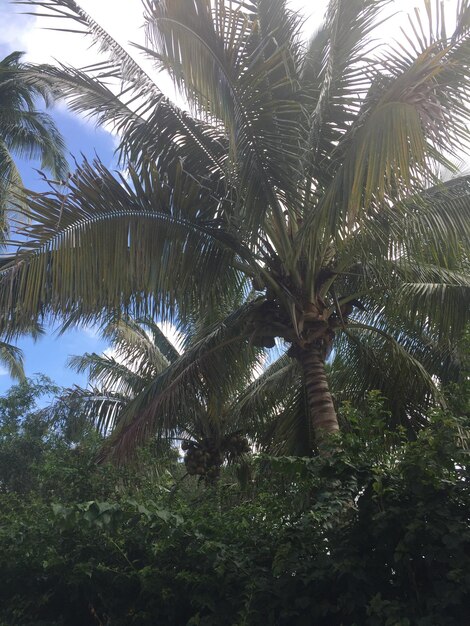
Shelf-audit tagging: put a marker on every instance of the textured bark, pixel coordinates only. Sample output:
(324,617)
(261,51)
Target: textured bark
(322,413)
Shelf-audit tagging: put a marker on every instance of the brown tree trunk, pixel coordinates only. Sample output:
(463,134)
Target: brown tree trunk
(322,414)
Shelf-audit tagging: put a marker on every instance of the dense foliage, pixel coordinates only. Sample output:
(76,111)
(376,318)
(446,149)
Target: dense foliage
(376,533)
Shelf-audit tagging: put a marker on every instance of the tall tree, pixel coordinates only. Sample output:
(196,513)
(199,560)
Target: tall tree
(308,168)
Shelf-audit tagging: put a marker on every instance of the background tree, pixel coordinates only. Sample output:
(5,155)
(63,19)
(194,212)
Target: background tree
(27,430)
(309,168)
(25,130)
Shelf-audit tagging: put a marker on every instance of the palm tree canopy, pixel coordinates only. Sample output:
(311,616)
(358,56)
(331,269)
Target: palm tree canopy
(29,133)
(26,131)
(140,353)
(134,380)
(308,167)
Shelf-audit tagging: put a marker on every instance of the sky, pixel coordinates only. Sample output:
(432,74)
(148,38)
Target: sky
(123,20)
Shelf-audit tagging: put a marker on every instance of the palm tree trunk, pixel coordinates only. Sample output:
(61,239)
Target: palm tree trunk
(322,414)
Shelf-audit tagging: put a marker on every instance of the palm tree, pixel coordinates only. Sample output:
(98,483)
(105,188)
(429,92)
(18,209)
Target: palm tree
(209,428)
(308,168)
(25,130)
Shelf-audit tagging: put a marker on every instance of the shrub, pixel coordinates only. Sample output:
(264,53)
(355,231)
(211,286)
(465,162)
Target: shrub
(376,533)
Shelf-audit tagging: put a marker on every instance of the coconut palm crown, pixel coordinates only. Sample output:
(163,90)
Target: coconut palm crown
(309,168)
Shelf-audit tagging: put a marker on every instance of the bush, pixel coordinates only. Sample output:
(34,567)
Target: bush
(375,533)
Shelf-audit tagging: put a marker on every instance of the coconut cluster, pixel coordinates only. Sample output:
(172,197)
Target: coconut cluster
(205,458)
(235,445)
(202,460)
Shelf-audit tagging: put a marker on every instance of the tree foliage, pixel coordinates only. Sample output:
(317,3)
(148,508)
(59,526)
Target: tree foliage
(138,376)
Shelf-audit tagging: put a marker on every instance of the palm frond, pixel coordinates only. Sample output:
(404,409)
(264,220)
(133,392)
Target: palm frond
(266,391)
(23,129)
(272,409)
(128,242)
(133,344)
(336,73)
(238,67)
(427,295)
(108,373)
(442,306)
(431,225)
(412,258)
(398,359)
(150,126)
(117,378)
(11,189)
(410,119)
(12,358)
(288,432)
(102,408)
(33,135)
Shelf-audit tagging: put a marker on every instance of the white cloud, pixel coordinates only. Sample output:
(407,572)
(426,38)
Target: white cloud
(111,353)
(91,331)
(4,372)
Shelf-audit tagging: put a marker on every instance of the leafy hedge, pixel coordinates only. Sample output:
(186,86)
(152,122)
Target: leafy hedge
(377,534)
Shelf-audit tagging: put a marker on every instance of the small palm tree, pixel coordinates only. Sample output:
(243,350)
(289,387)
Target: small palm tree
(209,428)
(307,168)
